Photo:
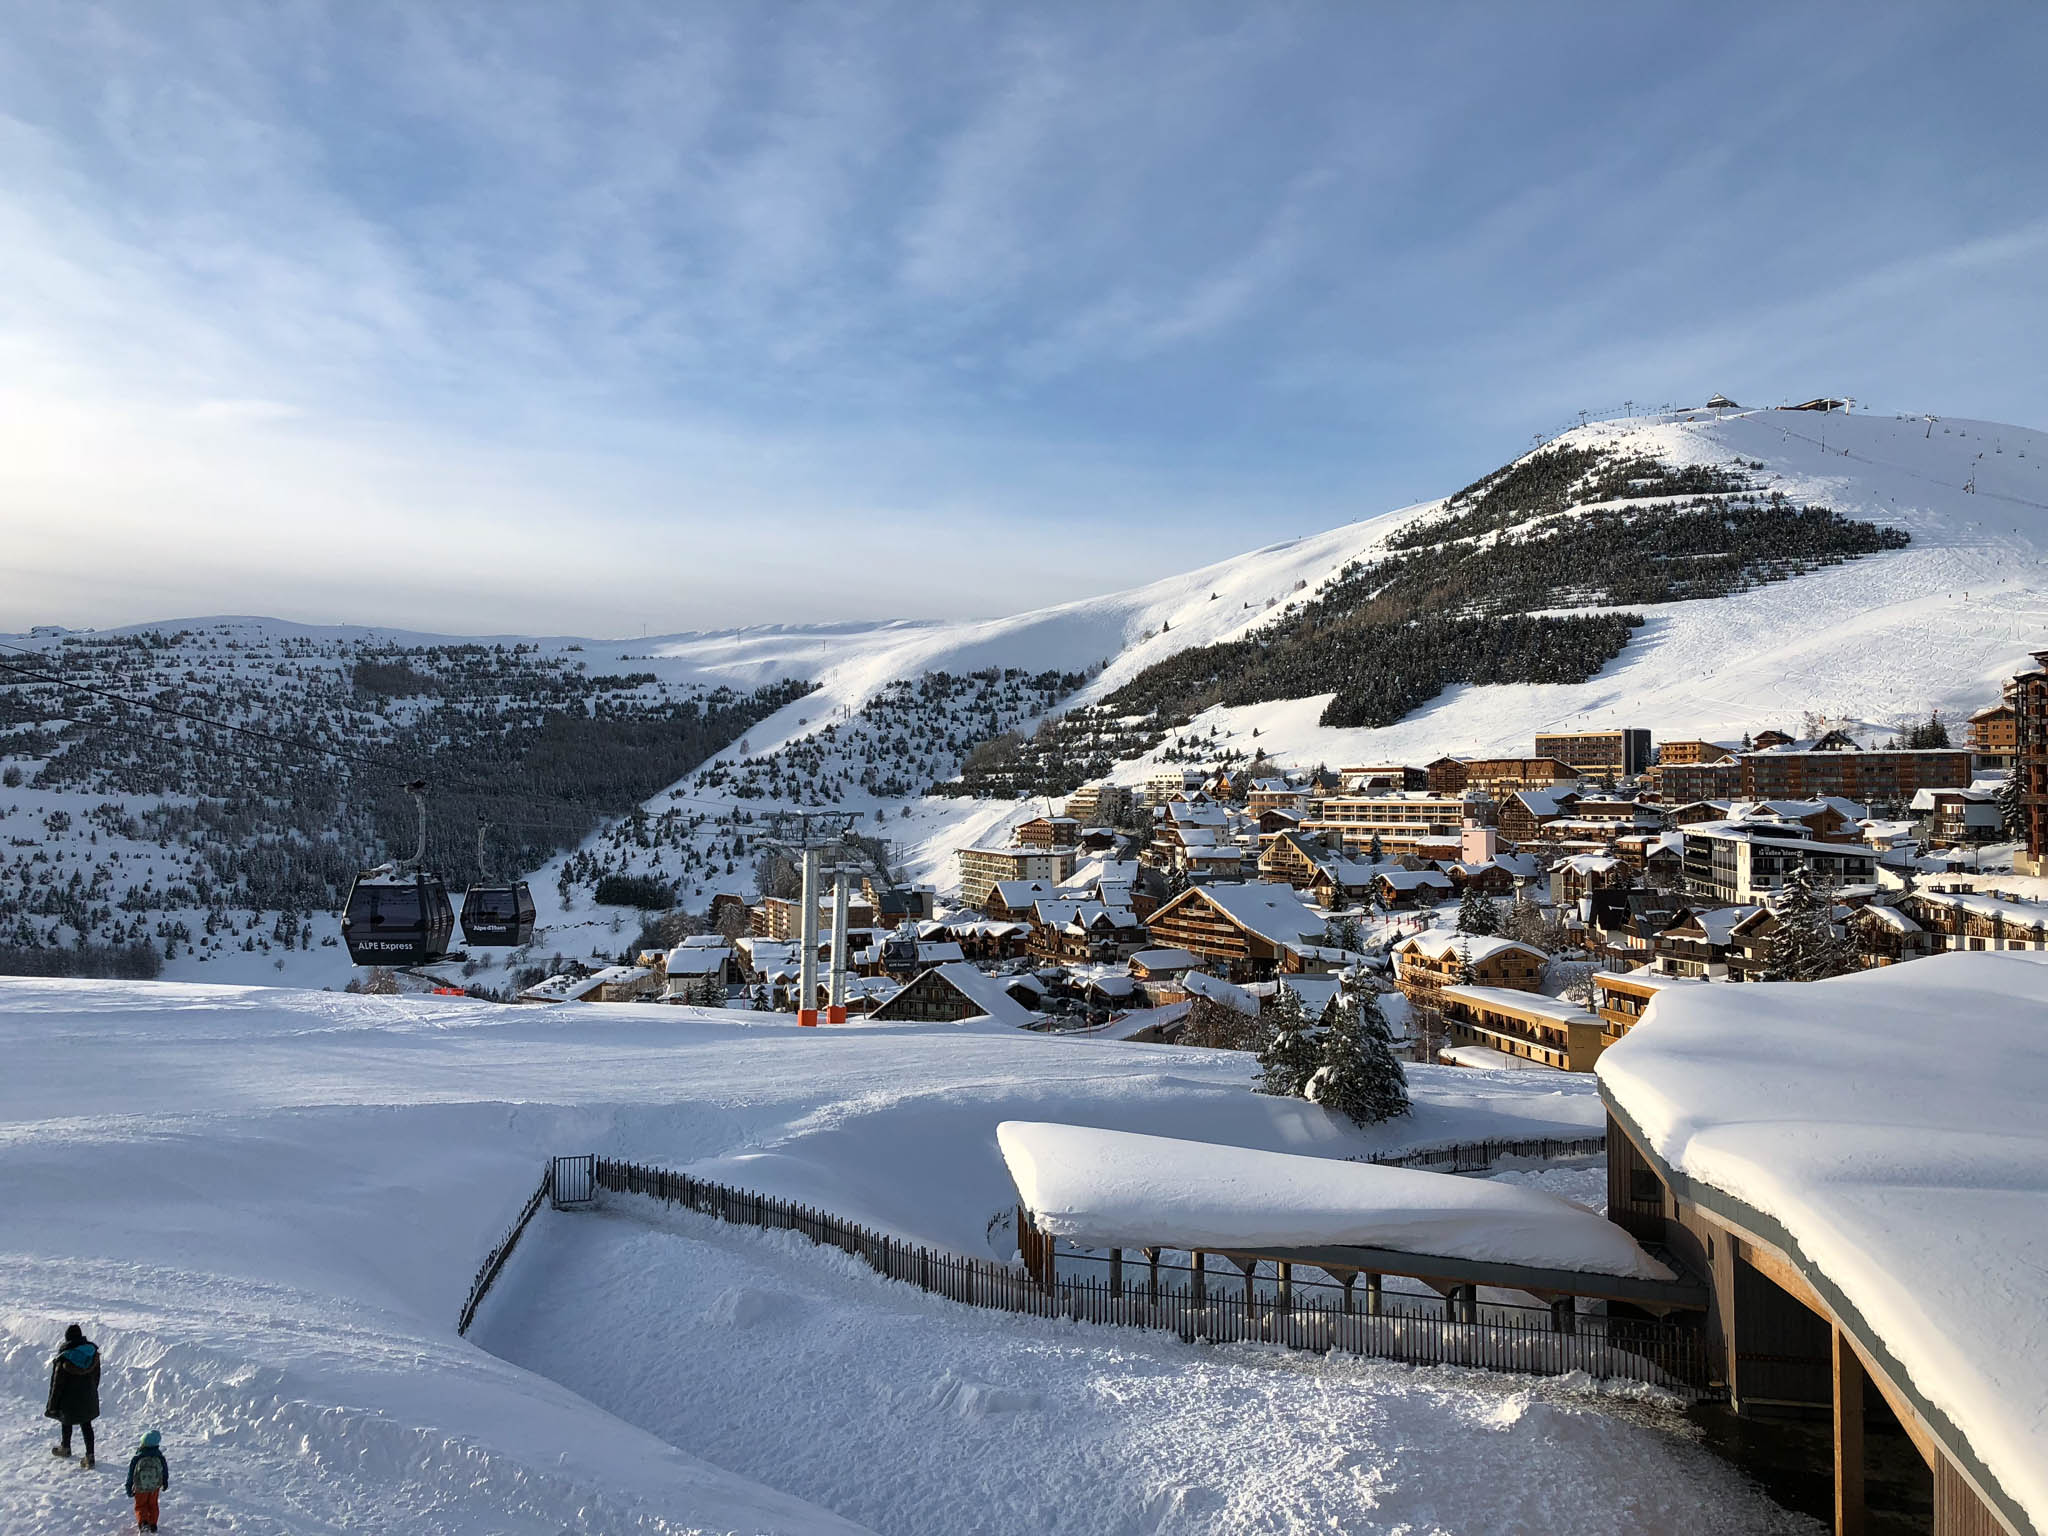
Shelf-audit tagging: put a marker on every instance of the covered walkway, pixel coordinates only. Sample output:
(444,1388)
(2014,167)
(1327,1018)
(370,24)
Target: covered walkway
(1117,1192)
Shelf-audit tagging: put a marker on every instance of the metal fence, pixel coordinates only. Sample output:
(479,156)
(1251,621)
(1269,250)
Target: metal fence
(494,1261)
(1473,1156)
(1668,1355)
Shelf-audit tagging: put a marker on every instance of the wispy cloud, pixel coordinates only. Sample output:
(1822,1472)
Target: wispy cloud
(745,291)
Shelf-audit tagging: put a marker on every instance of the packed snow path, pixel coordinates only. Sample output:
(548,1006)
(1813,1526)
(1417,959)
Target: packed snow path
(266,1206)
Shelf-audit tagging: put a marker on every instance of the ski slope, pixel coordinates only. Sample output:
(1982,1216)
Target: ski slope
(265,1205)
(1937,625)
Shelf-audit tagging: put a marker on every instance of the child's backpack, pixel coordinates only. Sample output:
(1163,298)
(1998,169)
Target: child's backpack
(149,1473)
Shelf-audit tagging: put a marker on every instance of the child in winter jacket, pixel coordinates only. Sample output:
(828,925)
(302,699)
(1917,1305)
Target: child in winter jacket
(148,1475)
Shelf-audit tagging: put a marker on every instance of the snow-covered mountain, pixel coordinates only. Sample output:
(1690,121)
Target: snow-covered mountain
(1883,634)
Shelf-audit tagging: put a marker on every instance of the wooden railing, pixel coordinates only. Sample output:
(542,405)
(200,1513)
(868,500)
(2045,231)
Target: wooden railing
(1205,1309)
(1471,1156)
(494,1261)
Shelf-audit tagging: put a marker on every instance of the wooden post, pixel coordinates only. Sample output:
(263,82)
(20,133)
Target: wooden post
(1849,1519)
(1152,1285)
(1373,1297)
(1116,1273)
(1564,1314)
(1201,1279)
(1286,1287)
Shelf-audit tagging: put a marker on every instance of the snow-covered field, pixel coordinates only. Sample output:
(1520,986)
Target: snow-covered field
(266,1206)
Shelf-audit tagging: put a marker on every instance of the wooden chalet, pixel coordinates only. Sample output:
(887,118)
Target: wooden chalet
(1970,919)
(1994,735)
(1426,962)
(1340,882)
(1011,901)
(1696,943)
(1048,832)
(1886,935)
(1291,858)
(947,994)
(1546,1030)
(1523,813)
(1752,944)
(1247,929)
(1620,998)
(1489,879)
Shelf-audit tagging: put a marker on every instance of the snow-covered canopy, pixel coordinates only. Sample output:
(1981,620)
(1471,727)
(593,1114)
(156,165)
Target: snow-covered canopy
(1891,1123)
(1106,1189)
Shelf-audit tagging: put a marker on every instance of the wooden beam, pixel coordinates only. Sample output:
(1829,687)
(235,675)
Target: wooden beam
(1849,1511)
(1773,1266)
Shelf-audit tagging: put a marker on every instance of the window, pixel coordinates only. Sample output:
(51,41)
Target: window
(1644,1188)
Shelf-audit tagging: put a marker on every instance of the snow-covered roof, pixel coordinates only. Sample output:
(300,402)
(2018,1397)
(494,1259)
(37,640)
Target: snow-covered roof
(1588,863)
(1413,879)
(2023,914)
(1718,923)
(1273,912)
(1487,1059)
(986,992)
(1165,958)
(1445,944)
(1649,980)
(1926,799)
(561,989)
(1316,992)
(692,960)
(1021,893)
(1909,1183)
(1555,1010)
(766,954)
(1889,917)
(1118,1189)
(1230,995)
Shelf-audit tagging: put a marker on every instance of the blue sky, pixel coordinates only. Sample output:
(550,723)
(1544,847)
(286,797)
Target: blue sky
(589,318)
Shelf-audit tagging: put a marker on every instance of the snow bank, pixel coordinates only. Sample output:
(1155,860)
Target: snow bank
(1892,1123)
(1104,1189)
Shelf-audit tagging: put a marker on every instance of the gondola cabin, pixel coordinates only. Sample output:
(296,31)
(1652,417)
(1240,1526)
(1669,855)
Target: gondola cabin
(497,916)
(397,919)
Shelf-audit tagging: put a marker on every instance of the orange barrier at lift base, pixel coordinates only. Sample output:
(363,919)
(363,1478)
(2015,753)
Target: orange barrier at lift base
(807,1018)
(835,1015)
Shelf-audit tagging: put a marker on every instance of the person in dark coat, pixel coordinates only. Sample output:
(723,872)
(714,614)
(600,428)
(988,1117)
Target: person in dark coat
(74,1389)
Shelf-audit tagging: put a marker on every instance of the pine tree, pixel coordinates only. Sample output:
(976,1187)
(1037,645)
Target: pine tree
(1376,851)
(1290,1052)
(1478,913)
(2012,805)
(1524,922)
(1466,975)
(1806,946)
(1357,1074)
